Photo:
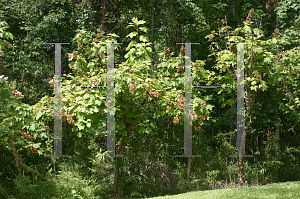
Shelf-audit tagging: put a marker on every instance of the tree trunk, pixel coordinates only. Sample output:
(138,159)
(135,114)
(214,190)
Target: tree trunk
(121,185)
(116,177)
(23,166)
(232,7)
(241,171)
(102,8)
(121,148)
(103,12)
(249,104)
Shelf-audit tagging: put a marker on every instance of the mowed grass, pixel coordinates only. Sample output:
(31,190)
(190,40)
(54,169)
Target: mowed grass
(271,191)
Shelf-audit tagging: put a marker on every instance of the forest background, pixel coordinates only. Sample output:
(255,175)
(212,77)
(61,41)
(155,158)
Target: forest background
(149,96)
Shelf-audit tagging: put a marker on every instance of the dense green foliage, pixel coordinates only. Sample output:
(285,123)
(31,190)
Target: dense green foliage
(149,96)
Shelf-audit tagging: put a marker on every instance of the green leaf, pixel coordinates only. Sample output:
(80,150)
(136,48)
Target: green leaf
(144,29)
(126,139)
(32,127)
(2,126)
(129,26)
(39,114)
(134,20)
(247,29)
(97,102)
(36,145)
(209,107)
(124,132)
(132,34)
(141,22)
(135,193)
(81,126)
(77,64)
(253,87)
(129,120)
(43,135)
(152,126)
(78,99)
(96,110)
(130,113)
(88,125)
(85,96)
(140,130)
(91,64)
(143,38)
(113,35)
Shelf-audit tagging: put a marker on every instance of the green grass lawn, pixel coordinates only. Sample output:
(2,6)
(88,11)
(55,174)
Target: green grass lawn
(278,190)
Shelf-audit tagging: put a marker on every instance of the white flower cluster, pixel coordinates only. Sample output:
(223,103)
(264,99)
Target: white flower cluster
(132,88)
(180,104)
(176,120)
(16,93)
(193,115)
